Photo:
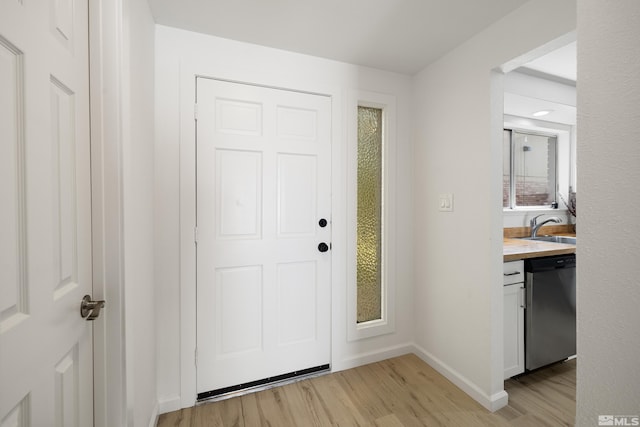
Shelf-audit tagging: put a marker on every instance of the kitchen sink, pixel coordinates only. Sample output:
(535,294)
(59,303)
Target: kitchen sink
(554,239)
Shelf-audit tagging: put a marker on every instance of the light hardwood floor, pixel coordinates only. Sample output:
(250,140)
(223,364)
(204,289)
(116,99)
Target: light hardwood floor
(403,391)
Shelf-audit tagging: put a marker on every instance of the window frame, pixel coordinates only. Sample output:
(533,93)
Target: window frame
(512,181)
(386,324)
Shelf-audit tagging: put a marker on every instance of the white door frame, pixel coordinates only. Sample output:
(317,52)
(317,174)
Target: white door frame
(106,76)
(188,73)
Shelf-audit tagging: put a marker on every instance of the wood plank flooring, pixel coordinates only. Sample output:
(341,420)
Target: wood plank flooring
(399,392)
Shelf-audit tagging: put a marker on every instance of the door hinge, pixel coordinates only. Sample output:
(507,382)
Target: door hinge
(195,235)
(195,111)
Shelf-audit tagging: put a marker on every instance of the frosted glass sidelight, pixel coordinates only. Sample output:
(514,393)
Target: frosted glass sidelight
(369,214)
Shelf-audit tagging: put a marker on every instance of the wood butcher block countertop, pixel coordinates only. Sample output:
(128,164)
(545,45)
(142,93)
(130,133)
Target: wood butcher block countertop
(515,248)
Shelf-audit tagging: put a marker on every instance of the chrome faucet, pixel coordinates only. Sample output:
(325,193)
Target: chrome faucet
(535,225)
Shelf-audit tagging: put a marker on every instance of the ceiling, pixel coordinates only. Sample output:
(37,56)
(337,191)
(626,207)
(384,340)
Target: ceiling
(523,106)
(561,63)
(402,36)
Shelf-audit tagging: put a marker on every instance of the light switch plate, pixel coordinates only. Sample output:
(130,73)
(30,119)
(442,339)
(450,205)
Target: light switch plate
(445,203)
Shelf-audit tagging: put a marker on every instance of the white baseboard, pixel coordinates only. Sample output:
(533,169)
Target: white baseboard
(372,357)
(169,404)
(492,403)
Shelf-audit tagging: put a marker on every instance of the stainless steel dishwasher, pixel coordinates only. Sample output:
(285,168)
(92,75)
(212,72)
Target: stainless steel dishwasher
(550,313)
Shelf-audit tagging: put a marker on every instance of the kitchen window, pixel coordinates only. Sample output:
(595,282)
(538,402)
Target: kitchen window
(530,171)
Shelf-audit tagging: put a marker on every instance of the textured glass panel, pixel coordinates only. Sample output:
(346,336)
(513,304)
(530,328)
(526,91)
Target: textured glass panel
(369,264)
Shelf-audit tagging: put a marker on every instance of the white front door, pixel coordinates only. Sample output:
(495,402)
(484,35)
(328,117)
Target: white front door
(45,230)
(263,233)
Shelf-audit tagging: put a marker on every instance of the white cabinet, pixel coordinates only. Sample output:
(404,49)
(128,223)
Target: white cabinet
(513,318)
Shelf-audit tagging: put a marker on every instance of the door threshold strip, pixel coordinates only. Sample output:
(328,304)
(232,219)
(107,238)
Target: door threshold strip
(263,384)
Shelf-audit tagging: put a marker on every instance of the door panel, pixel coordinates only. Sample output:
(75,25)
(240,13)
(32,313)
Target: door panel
(239,308)
(263,183)
(45,239)
(296,195)
(297,123)
(64,223)
(13,289)
(66,389)
(239,194)
(297,302)
(237,117)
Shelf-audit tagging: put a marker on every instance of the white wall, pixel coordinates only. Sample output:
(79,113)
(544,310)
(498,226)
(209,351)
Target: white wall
(608,295)
(122,131)
(138,215)
(181,54)
(458,149)
(138,212)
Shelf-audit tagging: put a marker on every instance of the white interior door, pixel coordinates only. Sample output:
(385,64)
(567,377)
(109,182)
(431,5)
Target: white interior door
(45,234)
(263,209)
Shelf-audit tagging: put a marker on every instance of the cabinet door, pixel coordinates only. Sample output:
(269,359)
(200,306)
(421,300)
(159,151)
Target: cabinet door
(513,329)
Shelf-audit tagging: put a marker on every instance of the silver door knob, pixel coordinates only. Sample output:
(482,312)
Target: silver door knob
(89,309)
